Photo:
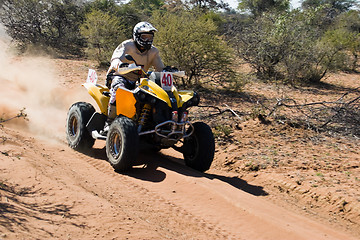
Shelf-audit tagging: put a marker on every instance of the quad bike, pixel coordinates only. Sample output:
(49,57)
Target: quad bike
(155,112)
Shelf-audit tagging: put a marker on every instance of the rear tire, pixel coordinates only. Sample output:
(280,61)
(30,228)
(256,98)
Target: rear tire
(122,144)
(77,135)
(199,148)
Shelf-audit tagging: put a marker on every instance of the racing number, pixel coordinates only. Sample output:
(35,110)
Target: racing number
(167,81)
(92,76)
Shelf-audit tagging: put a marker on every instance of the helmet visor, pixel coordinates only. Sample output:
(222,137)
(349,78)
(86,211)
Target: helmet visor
(147,37)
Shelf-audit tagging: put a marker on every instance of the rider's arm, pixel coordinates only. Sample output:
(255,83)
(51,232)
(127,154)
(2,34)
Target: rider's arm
(118,56)
(157,62)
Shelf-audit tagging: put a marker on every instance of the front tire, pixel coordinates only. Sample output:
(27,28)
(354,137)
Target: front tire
(199,148)
(77,136)
(122,144)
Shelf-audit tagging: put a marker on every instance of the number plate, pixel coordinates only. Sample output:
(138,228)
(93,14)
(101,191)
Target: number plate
(167,81)
(92,77)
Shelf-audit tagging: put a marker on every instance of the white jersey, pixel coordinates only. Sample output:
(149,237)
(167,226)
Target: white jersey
(146,59)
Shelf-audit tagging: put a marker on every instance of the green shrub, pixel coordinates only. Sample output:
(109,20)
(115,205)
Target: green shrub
(191,42)
(103,34)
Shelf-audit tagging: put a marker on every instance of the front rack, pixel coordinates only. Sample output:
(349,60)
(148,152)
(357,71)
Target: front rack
(172,130)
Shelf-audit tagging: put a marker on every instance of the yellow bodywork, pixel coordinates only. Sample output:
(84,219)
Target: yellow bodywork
(96,92)
(180,96)
(185,95)
(155,90)
(125,100)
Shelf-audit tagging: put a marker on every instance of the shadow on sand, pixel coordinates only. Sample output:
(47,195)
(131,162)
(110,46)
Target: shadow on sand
(151,162)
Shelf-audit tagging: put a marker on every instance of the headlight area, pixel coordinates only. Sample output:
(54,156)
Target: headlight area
(144,97)
(160,110)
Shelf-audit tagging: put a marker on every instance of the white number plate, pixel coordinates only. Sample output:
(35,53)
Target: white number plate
(167,81)
(92,77)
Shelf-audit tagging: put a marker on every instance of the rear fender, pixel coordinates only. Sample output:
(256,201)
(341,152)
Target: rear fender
(96,91)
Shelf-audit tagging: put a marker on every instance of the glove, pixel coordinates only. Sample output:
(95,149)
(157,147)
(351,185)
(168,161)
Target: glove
(108,81)
(170,69)
(123,65)
(116,64)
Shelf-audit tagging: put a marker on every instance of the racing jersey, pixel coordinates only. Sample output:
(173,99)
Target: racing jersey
(146,59)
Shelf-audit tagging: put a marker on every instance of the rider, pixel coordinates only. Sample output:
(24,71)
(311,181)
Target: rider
(143,52)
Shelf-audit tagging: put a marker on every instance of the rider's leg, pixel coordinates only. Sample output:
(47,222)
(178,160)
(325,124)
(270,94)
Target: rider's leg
(111,112)
(117,81)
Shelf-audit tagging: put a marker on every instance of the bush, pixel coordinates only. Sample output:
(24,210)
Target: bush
(338,44)
(103,34)
(290,47)
(47,23)
(191,42)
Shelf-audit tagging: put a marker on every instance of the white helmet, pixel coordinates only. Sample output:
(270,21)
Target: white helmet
(143,34)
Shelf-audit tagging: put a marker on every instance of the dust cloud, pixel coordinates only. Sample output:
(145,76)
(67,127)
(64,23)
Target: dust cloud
(31,83)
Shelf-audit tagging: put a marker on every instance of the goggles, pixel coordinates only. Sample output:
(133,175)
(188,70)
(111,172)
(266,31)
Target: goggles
(147,37)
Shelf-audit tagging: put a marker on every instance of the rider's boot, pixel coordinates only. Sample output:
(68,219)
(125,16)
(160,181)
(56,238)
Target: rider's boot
(110,118)
(111,112)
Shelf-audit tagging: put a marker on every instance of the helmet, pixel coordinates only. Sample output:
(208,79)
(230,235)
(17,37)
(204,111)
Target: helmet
(144,34)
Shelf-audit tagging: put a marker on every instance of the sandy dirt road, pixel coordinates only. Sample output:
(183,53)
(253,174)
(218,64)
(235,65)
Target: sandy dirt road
(49,191)
(55,192)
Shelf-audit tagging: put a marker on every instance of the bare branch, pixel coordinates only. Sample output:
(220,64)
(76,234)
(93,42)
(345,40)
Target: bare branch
(341,115)
(21,114)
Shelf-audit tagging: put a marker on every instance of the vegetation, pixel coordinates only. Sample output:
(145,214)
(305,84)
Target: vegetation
(258,7)
(205,38)
(48,24)
(102,32)
(190,41)
(22,114)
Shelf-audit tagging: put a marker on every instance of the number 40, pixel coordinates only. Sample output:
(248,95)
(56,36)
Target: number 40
(167,80)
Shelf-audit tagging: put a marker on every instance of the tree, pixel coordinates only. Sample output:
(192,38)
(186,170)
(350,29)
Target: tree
(146,7)
(331,8)
(344,39)
(286,47)
(47,23)
(192,43)
(338,5)
(339,43)
(103,33)
(66,17)
(127,15)
(201,5)
(208,5)
(258,7)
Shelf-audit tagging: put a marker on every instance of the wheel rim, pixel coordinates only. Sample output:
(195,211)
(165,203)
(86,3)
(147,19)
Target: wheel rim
(193,147)
(115,146)
(73,127)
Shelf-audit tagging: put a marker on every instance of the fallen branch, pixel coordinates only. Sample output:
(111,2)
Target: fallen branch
(21,114)
(232,111)
(219,112)
(342,114)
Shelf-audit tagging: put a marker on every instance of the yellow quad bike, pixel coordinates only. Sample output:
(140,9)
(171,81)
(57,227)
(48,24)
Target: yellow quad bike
(154,112)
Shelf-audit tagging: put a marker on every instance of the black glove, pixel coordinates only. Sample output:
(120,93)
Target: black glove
(108,81)
(122,65)
(170,69)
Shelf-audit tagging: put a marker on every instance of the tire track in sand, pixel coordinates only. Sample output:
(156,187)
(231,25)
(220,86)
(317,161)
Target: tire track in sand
(165,216)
